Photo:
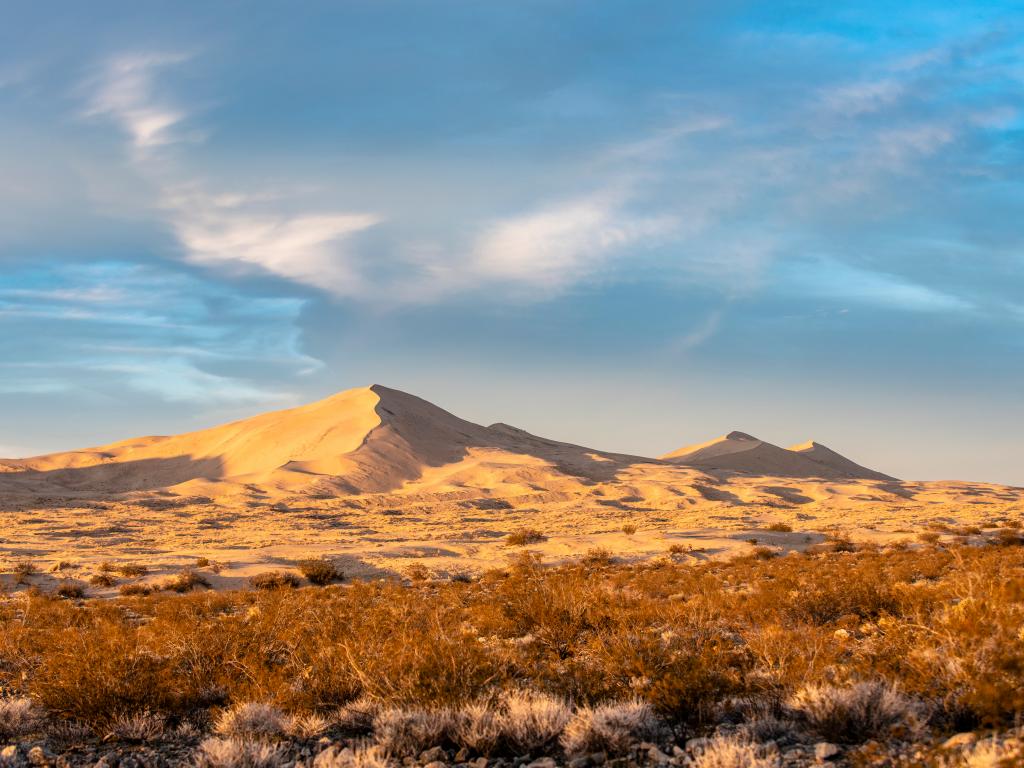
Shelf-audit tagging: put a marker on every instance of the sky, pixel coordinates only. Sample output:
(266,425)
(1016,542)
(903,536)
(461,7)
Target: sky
(628,224)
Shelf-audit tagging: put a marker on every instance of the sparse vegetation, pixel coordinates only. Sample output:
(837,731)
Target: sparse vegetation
(629,529)
(186,581)
(132,570)
(70,590)
(134,590)
(320,571)
(524,536)
(849,648)
(102,579)
(779,527)
(274,580)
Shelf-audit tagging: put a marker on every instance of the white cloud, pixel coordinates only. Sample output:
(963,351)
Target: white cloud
(843,282)
(554,246)
(864,97)
(125,93)
(307,248)
(242,229)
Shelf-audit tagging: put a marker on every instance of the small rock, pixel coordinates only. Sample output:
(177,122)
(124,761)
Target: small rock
(37,757)
(579,762)
(696,745)
(678,751)
(432,755)
(462,755)
(598,758)
(543,762)
(792,755)
(408,760)
(436,764)
(655,755)
(480,762)
(960,740)
(9,756)
(825,750)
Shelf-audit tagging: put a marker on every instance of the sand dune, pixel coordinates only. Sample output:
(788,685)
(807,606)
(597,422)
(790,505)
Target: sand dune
(382,480)
(740,452)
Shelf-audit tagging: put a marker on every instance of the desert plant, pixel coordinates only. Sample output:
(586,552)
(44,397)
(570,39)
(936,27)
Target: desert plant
(477,727)
(358,715)
(929,537)
(356,756)
(532,720)
(523,536)
(186,581)
(135,590)
(629,529)
(597,557)
(320,571)
(274,580)
(779,527)
(70,590)
(733,752)
(309,726)
(252,720)
(407,732)
(19,717)
(611,728)
(855,713)
(238,753)
(139,727)
(23,569)
(132,570)
(102,580)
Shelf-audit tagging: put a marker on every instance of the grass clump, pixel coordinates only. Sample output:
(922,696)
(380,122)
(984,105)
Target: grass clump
(524,536)
(132,570)
(186,581)
(70,590)
(780,527)
(320,571)
(274,580)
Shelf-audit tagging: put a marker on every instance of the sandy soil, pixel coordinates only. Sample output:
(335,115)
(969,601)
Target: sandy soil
(385,483)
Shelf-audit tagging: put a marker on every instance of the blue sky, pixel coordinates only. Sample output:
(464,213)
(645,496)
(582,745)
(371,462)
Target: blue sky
(632,225)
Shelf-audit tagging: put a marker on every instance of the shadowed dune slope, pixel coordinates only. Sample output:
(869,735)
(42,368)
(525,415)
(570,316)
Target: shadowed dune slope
(371,439)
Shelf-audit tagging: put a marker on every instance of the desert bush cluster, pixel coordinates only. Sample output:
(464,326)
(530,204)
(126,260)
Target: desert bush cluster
(854,648)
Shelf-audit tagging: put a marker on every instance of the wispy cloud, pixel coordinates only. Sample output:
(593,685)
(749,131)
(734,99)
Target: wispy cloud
(159,331)
(308,248)
(237,229)
(830,279)
(125,92)
(565,242)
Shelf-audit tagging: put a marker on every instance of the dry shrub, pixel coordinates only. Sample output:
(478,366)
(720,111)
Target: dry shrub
(308,726)
(611,728)
(417,572)
(139,727)
(186,581)
(102,580)
(131,570)
(524,536)
(238,753)
(274,580)
(357,716)
(733,752)
(532,721)
(478,727)
(929,537)
(134,590)
(990,753)
(252,720)
(358,756)
(320,571)
(23,569)
(857,712)
(629,529)
(407,732)
(19,717)
(779,527)
(597,557)
(70,590)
